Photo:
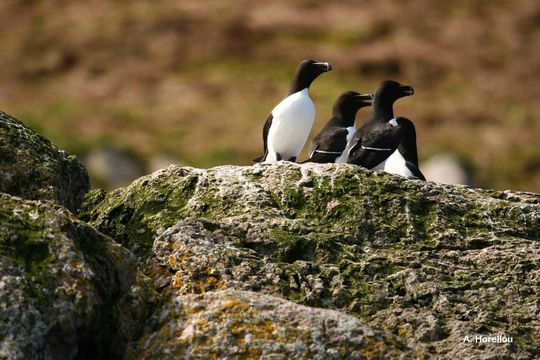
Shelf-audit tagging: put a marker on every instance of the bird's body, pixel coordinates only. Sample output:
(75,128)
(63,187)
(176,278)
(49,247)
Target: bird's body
(291,123)
(384,142)
(330,144)
(395,164)
(404,160)
(373,143)
(287,127)
(392,149)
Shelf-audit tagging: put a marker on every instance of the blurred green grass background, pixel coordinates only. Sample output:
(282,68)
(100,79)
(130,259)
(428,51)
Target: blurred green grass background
(195,80)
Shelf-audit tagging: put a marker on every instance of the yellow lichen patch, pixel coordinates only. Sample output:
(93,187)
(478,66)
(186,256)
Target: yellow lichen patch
(403,330)
(177,282)
(248,331)
(203,284)
(177,245)
(179,260)
(373,350)
(234,304)
(190,283)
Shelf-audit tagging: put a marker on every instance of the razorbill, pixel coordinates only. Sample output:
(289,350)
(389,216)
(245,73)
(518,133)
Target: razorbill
(330,144)
(404,159)
(379,137)
(289,123)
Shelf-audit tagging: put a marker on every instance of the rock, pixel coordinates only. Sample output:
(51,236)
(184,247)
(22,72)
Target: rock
(33,168)
(426,262)
(60,280)
(446,169)
(111,168)
(240,324)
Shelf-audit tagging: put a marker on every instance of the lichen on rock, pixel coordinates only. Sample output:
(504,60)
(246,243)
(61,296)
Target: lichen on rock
(228,258)
(33,168)
(59,282)
(248,325)
(428,263)
(324,199)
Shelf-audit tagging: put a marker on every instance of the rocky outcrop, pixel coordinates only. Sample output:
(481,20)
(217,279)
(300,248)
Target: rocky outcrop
(240,324)
(33,168)
(60,281)
(430,264)
(270,261)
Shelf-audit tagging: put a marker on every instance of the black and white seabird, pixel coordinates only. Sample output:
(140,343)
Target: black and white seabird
(382,134)
(330,144)
(287,128)
(404,159)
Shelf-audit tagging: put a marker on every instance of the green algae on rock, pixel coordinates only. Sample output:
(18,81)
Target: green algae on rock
(59,281)
(429,263)
(424,296)
(33,168)
(295,200)
(248,325)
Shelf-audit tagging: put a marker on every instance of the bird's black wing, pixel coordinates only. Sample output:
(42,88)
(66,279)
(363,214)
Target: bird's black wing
(372,144)
(266,130)
(328,145)
(415,170)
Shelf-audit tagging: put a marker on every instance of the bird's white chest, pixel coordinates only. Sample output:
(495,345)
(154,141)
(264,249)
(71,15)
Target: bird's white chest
(292,120)
(395,164)
(343,158)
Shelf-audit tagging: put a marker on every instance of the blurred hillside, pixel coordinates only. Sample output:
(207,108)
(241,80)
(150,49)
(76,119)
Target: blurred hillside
(195,80)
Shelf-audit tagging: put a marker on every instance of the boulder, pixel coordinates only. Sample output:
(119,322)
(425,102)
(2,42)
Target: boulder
(431,264)
(33,168)
(60,281)
(247,325)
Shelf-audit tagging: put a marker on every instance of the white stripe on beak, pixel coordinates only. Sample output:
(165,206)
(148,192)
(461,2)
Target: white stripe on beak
(328,66)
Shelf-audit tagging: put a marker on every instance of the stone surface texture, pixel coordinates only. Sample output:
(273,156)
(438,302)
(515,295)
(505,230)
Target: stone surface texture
(267,261)
(241,324)
(33,168)
(59,282)
(428,263)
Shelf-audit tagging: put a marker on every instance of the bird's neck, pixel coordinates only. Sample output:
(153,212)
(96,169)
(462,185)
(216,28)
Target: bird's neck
(382,109)
(345,118)
(382,114)
(299,83)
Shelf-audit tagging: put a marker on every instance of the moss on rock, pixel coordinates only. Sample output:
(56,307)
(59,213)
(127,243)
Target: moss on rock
(33,168)
(428,263)
(60,280)
(296,200)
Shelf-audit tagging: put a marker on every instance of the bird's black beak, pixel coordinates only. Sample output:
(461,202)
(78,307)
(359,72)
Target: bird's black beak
(325,66)
(406,90)
(365,98)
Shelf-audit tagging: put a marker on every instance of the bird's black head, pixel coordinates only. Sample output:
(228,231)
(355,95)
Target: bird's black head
(389,91)
(385,96)
(307,71)
(349,102)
